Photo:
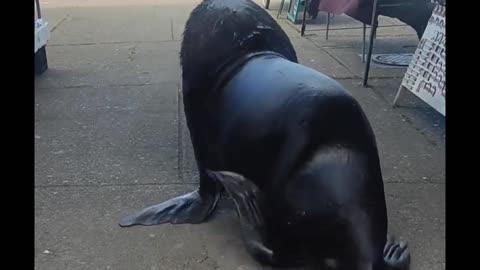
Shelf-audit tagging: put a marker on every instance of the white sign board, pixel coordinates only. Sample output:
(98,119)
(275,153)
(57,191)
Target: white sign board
(41,34)
(425,76)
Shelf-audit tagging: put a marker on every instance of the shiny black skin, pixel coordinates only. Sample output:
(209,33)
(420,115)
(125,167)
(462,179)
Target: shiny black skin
(217,34)
(291,146)
(300,138)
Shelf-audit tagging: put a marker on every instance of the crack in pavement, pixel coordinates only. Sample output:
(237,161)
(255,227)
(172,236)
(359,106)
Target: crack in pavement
(112,43)
(59,23)
(179,133)
(101,86)
(196,183)
(112,185)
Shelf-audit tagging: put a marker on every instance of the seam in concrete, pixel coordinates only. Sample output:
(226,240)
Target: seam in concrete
(382,36)
(179,133)
(334,58)
(337,47)
(192,183)
(376,78)
(414,183)
(351,46)
(111,43)
(293,27)
(384,77)
(101,86)
(289,23)
(355,28)
(58,24)
(343,65)
(171,28)
(67,87)
(408,120)
(344,78)
(111,185)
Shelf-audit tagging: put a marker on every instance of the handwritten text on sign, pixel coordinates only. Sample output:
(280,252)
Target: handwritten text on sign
(425,76)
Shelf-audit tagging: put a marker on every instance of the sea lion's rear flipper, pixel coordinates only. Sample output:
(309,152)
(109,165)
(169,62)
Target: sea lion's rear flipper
(396,255)
(190,208)
(249,202)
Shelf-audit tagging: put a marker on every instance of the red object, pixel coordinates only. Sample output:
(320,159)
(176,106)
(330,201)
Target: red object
(358,9)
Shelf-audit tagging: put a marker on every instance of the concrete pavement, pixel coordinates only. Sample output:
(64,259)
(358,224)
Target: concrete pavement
(110,137)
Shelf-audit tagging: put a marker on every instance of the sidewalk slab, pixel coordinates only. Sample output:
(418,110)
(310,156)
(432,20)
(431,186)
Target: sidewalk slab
(111,138)
(76,228)
(413,110)
(406,155)
(111,64)
(310,55)
(101,136)
(352,58)
(417,214)
(345,26)
(111,24)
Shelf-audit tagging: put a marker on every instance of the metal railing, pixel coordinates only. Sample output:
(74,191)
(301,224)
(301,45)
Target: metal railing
(37,9)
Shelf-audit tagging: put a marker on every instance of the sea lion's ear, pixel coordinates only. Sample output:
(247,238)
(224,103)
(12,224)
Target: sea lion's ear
(250,204)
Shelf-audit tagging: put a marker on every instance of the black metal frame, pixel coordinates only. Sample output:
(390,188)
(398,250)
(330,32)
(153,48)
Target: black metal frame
(364,28)
(373,33)
(266,4)
(373,30)
(280,9)
(329,16)
(39,12)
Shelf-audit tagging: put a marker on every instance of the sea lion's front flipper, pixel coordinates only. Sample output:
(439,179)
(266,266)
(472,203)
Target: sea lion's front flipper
(190,208)
(249,202)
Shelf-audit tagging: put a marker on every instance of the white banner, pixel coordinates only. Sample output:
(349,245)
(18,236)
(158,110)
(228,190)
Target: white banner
(425,76)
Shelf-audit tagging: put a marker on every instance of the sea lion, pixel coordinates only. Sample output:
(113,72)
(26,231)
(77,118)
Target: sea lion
(291,146)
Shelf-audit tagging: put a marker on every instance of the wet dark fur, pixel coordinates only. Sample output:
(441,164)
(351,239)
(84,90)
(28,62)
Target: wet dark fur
(209,29)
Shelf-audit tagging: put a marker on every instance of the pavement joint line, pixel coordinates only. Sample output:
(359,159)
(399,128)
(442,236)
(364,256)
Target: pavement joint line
(373,77)
(107,85)
(408,120)
(344,78)
(167,82)
(384,77)
(180,147)
(352,47)
(348,69)
(113,43)
(308,33)
(171,28)
(289,23)
(337,47)
(67,87)
(293,27)
(112,185)
(59,23)
(414,182)
(196,183)
(350,36)
(355,28)
(334,58)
